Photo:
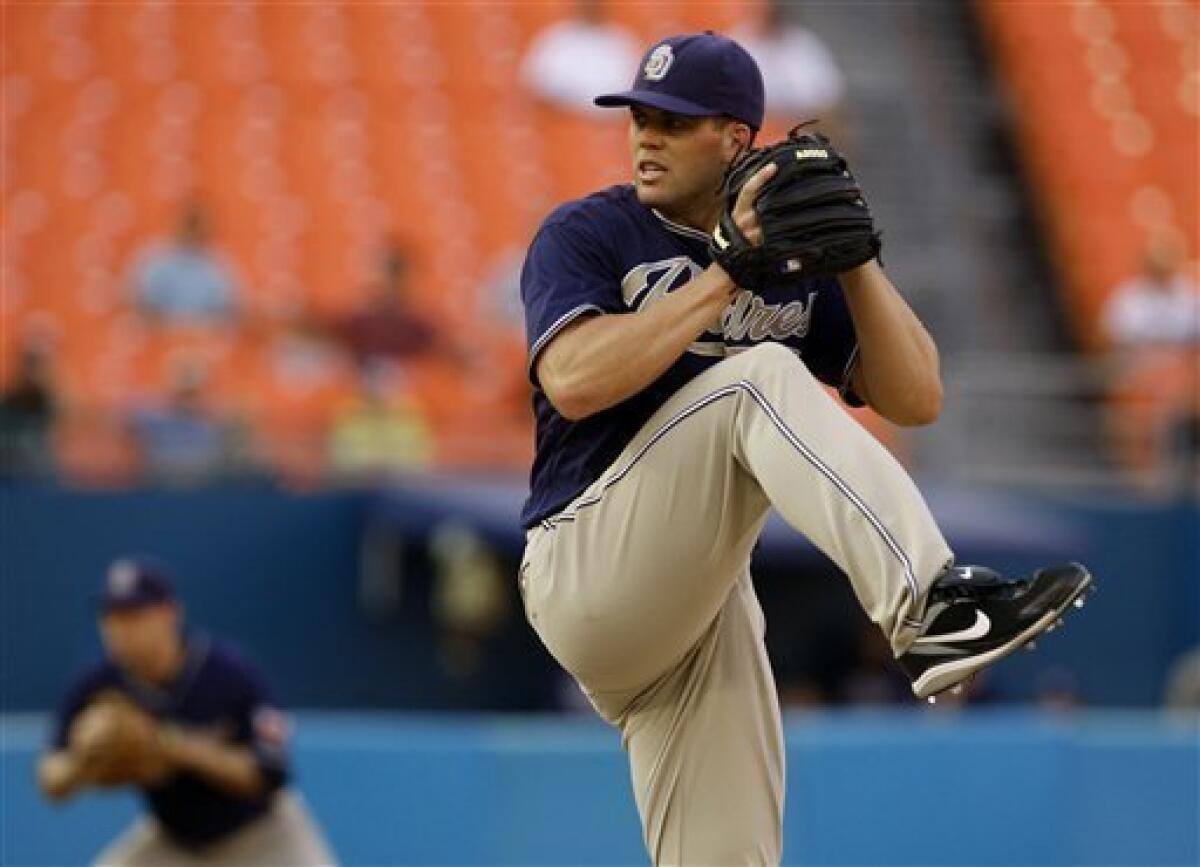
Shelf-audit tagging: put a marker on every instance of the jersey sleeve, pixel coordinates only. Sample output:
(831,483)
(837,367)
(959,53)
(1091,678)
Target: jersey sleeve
(566,275)
(264,728)
(832,345)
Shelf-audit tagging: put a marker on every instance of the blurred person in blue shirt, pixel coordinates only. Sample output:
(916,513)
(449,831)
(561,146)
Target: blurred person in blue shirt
(184,440)
(186,280)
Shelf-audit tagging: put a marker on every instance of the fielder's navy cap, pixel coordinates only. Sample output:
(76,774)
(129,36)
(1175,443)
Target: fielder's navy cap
(699,74)
(133,583)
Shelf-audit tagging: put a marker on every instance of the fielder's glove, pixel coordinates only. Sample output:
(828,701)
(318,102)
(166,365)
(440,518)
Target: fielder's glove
(117,743)
(813,217)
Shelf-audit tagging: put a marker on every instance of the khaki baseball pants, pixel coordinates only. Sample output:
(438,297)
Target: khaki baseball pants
(640,588)
(286,836)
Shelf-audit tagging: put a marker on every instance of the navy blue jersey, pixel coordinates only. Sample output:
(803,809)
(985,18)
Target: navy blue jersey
(217,692)
(608,253)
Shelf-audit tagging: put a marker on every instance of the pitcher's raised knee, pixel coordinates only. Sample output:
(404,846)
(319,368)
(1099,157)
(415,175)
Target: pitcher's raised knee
(769,355)
(759,363)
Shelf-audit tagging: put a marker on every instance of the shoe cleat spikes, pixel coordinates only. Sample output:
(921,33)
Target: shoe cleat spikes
(1032,645)
(1080,602)
(957,689)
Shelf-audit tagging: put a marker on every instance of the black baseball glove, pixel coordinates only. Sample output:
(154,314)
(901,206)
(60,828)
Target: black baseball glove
(813,217)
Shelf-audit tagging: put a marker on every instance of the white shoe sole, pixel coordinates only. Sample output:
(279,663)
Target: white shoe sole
(943,676)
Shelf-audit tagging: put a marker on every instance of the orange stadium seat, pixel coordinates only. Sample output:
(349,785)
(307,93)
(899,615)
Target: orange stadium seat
(531,18)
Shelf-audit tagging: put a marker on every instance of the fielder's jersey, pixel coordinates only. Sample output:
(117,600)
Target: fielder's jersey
(608,253)
(217,692)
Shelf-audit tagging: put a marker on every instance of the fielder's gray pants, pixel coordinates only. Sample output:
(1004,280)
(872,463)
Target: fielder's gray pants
(286,836)
(641,589)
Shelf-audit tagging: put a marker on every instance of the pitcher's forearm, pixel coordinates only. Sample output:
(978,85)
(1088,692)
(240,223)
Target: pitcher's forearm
(604,360)
(898,360)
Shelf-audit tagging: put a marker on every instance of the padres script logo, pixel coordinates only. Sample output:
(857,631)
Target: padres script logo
(748,316)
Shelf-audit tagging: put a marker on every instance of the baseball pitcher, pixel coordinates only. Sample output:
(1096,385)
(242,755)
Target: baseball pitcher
(680,328)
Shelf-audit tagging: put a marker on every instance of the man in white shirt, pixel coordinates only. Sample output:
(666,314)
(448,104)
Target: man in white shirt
(1160,306)
(803,81)
(568,63)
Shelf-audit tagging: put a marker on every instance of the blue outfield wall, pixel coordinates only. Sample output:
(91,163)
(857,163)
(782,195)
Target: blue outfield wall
(278,572)
(274,570)
(912,788)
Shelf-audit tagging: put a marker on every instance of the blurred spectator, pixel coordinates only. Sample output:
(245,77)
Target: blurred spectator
(185,441)
(802,80)
(469,601)
(378,434)
(185,280)
(28,408)
(1161,306)
(485,654)
(572,61)
(1183,682)
(386,327)
(1153,321)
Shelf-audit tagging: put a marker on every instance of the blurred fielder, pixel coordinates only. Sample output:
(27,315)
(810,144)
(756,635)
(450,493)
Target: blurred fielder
(191,723)
(679,331)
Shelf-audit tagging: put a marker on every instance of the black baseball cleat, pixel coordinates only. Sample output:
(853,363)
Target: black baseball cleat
(974,616)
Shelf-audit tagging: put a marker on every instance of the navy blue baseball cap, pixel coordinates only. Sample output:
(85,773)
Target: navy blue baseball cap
(135,583)
(699,74)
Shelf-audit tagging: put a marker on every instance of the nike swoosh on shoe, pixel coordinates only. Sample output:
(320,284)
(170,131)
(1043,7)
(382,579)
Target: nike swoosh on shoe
(981,627)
